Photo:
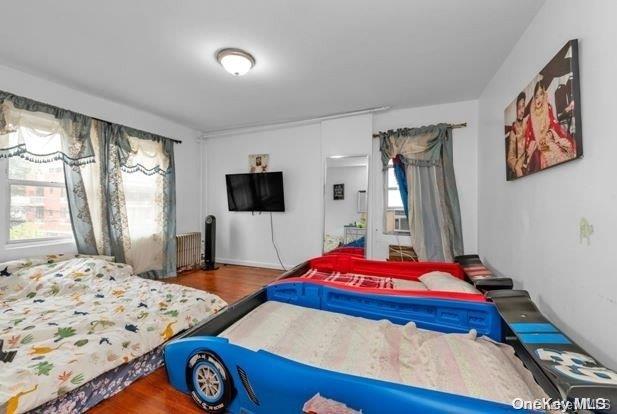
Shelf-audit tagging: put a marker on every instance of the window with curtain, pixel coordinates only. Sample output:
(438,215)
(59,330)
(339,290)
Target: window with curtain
(108,186)
(395,219)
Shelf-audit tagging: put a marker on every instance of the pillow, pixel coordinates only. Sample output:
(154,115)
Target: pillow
(408,284)
(446,282)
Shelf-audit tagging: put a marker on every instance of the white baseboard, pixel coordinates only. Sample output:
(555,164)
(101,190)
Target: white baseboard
(252,263)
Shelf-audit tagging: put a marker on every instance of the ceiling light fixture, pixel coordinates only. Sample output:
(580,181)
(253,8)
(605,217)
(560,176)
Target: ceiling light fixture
(235,61)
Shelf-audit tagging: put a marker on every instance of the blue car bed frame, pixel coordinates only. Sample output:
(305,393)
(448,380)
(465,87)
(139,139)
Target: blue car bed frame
(224,377)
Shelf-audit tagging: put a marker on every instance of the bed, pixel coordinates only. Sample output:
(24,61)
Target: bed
(463,364)
(68,321)
(428,279)
(303,345)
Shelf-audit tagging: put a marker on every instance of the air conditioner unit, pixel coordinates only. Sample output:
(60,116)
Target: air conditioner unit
(401,222)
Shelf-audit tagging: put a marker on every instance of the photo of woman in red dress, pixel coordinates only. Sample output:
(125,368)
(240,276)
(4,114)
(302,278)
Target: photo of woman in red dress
(546,142)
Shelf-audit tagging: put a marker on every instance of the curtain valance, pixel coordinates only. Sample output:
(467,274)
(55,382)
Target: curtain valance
(416,146)
(43,133)
(40,132)
(142,151)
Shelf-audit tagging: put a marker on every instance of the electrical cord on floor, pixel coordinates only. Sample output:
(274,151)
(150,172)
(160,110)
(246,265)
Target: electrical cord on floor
(276,249)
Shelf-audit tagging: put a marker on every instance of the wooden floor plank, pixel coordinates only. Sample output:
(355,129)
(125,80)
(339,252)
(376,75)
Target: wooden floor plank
(153,394)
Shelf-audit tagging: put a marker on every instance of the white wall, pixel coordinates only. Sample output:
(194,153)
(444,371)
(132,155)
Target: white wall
(340,213)
(528,228)
(244,238)
(465,166)
(300,152)
(188,175)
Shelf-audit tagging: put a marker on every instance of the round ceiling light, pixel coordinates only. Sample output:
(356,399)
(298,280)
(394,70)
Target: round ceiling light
(235,61)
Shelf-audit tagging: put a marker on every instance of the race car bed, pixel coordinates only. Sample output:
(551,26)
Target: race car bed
(426,279)
(76,330)
(280,349)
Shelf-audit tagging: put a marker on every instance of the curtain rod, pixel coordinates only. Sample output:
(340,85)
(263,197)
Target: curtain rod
(453,126)
(176,141)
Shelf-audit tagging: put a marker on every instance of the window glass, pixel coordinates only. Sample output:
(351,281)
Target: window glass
(394,199)
(51,172)
(395,220)
(34,214)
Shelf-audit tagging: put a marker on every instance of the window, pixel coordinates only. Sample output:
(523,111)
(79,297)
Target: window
(38,207)
(396,221)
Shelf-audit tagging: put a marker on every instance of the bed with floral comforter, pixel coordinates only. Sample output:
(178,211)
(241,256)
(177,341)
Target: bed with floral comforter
(65,321)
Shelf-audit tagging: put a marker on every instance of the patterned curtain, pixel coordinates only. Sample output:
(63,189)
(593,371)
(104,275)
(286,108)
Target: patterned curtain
(434,211)
(39,132)
(124,205)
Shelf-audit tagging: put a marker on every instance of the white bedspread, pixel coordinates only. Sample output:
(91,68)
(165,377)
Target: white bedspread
(455,363)
(72,320)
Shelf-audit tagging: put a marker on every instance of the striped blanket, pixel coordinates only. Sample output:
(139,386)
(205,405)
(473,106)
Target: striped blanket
(351,279)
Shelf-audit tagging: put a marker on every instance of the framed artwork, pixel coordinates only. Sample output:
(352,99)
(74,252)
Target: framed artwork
(543,123)
(338,191)
(259,163)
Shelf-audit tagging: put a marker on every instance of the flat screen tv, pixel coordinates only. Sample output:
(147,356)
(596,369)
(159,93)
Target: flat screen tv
(255,192)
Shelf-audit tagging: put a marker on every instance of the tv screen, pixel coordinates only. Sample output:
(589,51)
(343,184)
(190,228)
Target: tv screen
(255,192)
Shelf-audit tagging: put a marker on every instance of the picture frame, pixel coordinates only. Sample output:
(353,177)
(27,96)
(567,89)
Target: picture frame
(543,126)
(259,163)
(338,191)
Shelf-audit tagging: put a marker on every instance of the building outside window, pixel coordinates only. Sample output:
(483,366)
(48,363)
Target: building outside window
(38,207)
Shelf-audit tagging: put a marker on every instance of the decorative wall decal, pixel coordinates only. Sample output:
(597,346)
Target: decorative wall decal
(585,230)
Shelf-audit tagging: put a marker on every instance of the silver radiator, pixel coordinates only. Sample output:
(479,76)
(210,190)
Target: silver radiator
(188,251)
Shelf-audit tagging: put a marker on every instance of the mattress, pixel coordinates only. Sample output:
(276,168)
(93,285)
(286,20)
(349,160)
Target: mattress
(69,321)
(456,363)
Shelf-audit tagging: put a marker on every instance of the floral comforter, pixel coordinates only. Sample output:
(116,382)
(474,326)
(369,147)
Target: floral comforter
(64,321)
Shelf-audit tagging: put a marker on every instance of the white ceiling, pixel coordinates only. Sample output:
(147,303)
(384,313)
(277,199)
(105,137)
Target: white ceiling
(314,57)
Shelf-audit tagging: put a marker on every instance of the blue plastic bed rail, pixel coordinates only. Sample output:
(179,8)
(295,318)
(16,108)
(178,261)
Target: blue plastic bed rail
(449,316)
(267,383)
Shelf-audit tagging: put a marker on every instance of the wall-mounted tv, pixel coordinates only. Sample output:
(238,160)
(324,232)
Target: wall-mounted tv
(255,192)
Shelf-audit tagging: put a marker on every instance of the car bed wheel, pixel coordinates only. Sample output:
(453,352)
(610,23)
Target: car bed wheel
(210,382)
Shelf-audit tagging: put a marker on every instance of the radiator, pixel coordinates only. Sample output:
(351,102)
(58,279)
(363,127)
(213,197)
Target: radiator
(188,251)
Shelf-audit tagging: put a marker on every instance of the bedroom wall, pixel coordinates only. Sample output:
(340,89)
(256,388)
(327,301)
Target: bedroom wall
(243,237)
(465,166)
(297,149)
(188,174)
(300,152)
(529,228)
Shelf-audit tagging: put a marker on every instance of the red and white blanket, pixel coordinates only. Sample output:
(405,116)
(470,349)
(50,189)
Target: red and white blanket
(351,279)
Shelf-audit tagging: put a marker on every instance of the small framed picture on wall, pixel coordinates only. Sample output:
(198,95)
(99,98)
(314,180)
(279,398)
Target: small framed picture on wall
(259,163)
(338,192)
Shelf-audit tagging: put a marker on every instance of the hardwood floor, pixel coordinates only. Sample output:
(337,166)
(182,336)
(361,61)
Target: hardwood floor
(153,394)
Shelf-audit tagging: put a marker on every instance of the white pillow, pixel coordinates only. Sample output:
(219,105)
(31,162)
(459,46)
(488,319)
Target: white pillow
(445,282)
(408,284)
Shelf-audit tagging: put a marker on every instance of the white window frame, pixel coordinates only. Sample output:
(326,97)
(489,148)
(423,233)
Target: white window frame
(387,208)
(11,181)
